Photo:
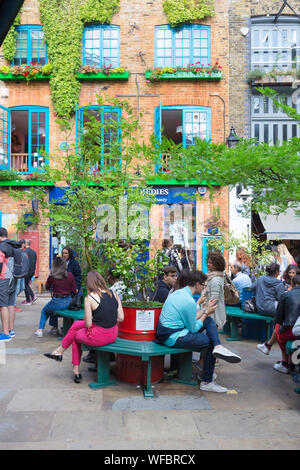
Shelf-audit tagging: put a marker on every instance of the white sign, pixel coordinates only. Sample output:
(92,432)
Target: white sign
(144,320)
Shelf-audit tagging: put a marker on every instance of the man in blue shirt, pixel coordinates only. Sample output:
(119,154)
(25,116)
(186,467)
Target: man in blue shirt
(181,325)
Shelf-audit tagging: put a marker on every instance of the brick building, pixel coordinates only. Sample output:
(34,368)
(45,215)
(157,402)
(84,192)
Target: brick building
(264,45)
(140,38)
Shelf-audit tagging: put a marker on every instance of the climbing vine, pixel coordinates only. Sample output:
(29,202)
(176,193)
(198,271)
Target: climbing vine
(63,22)
(9,46)
(186,11)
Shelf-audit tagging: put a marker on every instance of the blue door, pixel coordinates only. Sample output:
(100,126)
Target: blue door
(4,138)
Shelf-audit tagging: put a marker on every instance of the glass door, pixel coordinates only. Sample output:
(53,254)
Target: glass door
(4,138)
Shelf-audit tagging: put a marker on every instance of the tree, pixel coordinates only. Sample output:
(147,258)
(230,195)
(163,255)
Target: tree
(271,172)
(102,198)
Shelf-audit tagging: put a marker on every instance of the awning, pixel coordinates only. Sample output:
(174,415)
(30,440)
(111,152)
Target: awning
(284,226)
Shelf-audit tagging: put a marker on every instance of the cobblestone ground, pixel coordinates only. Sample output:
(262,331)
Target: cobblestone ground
(42,408)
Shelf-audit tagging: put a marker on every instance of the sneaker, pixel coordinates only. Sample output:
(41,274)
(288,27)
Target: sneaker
(224,353)
(212,387)
(25,302)
(263,348)
(12,333)
(39,333)
(53,331)
(281,368)
(17,309)
(34,300)
(5,338)
(199,377)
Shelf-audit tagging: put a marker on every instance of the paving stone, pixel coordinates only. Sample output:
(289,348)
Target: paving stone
(163,403)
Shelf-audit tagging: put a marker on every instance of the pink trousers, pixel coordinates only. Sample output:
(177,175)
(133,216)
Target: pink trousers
(95,336)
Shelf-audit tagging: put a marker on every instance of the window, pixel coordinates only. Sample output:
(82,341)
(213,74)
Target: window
(24,137)
(31,45)
(269,124)
(110,133)
(101,46)
(182,46)
(275,44)
(182,124)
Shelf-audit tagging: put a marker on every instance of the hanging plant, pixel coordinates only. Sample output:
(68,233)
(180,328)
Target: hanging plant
(9,46)
(99,11)
(186,11)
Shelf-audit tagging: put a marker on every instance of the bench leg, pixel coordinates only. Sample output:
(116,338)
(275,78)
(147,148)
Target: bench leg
(103,371)
(148,392)
(185,371)
(235,335)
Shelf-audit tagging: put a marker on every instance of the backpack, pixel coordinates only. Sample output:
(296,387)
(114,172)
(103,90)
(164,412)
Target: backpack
(21,261)
(231,293)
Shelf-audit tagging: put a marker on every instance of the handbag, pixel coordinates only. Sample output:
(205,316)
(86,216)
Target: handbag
(231,293)
(296,327)
(76,302)
(250,306)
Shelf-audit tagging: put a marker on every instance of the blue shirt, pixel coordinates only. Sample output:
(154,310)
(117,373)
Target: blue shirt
(241,281)
(179,311)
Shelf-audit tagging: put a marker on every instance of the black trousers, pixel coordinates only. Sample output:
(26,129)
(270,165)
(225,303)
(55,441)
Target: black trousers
(28,291)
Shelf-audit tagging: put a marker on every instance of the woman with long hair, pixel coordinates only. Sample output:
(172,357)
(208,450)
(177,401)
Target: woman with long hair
(288,275)
(63,286)
(102,312)
(215,286)
(283,251)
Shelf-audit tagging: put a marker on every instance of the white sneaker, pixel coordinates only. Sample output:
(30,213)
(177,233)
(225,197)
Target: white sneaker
(281,368)
(263,348)
(212,387)
(39,333)
(225,354)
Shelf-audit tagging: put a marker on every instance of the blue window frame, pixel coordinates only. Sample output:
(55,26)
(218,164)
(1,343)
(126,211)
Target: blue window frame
(178,47)
(31,45)
(110,118)
(101,45)
(190,122)
(24,137)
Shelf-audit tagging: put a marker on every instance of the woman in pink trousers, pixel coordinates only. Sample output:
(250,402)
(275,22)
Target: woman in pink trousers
(102,312)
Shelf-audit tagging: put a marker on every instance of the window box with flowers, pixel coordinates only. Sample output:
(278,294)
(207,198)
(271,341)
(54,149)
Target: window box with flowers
(192,72)
(33,71)
(90,72)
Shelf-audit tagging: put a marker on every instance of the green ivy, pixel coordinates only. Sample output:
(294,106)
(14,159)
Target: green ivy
(63,22)
(9,45)
(186,11)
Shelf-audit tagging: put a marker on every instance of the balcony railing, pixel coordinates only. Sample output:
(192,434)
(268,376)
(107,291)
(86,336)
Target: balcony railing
(26,163)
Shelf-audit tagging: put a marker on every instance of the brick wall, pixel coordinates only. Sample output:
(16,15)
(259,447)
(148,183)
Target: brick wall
(137,54)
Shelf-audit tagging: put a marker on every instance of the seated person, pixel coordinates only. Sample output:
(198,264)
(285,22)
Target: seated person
(240,280)
(165,284)
(287,313)
(181,326)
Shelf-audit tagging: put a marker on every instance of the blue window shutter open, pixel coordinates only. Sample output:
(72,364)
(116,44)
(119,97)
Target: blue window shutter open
(4,138)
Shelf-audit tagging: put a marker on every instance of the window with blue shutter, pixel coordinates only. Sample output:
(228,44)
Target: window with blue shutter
(178,47)
(30,45)
(101,46)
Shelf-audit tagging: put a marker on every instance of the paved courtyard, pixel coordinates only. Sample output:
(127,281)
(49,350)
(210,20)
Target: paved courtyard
(42,408)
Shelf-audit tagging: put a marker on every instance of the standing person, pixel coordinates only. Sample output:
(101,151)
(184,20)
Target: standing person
(165,284)
(283,251)
(243,258)
(267,290)
(30,295)
(281,260)
(185,259)
(181,326)
(20,282)
(7,287)
(63,286)
(102,312)
(170,251)
(287,313)
(72,265)
(215,286)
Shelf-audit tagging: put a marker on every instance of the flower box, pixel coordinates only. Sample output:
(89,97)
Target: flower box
(272,80)
(16,78)
(103,76)
(186,76)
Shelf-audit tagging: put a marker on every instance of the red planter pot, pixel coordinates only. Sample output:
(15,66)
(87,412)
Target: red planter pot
(138,325)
